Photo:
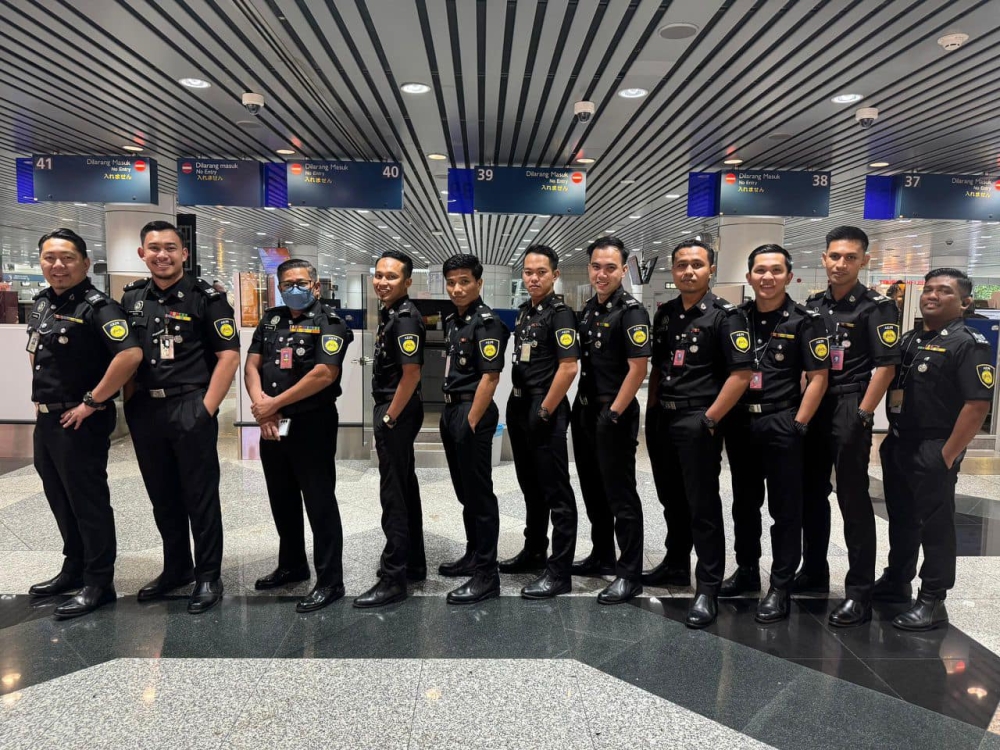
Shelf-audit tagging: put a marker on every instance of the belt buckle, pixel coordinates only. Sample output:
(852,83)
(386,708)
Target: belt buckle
(754,408)
(447,398)
(43,408)
(669,405)
(517,392)
(583,400)
(157,393)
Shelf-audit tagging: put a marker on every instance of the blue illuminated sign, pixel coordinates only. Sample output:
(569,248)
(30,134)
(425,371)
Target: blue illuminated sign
(218,182)
(520,190)
(948,196)
(770,193)
(95,179)
(345,184)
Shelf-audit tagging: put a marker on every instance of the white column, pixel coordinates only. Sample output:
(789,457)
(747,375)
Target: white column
(738,236)
(496,286)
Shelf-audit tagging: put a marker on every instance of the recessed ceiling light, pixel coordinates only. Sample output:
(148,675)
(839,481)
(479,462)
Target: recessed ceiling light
(585,160)
(733,161)
(657,242)
(437,157)
(132,148)
(846,98)
(635,216)
(627,182)
(194,83)
(285,152)
(444,192)
(405,245)
(382,226)
(671,196)
(261,234)
(228,240)
(303,224)
(80,204)
(916,246)
(414,88)
(632,93)
(533,230)
(879,164)
(677,31)
(363,211)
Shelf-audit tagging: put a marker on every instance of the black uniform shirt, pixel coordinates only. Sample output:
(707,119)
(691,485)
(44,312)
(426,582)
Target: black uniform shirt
(543,335)
(696,349)
(317,337)
(399,341)
(940,371)
(865,324)
(199,321)
(476,344)
(785,342)
(611,333)
(75,335)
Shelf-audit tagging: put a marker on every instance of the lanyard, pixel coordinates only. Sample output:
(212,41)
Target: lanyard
(759,350)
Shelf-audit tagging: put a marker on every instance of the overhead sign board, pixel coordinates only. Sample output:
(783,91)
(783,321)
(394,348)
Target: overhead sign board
(345,184)
(524,190)
(772,193)
(218,182)
(948,196)
(94,179)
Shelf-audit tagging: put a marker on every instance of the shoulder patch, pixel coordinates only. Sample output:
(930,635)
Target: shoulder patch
(888,333)
(820,348)
(977,336)
(558,304)
(409,343)
(226,328)
(331,344)
(565,337)
(987,375)
(724,304)
(741,341)
(631,302)
(806,311)
(116,330)
(638,335)
(490,349)
(137,284)
(96,299)
(207,289)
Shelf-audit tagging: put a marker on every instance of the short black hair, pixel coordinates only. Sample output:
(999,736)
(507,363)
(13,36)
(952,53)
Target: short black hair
(694,243)
(462,262)
(545,250)
(292,264)
(610,241)
(403,258)
(849,233)
(765,250)
(64,234)
(158,226)
(964,282)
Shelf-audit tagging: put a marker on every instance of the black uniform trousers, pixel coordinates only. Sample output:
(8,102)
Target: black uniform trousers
(676,512)
(470,463)
(839,440)
(541,463)
(399,493)
(766,449)
(300,468)
(605,464)
(73,466)
(692,457)
(920,501)
(176,447)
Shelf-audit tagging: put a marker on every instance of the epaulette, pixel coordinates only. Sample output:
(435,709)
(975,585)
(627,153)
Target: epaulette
(631,302)
(485,314)
(207,289)
(96,298)
(558,304)
(977,336)
(816,296)
(331,312)
(450,316)
(877,297)
(724,305)
(807,311)
(39,294)
(137,284)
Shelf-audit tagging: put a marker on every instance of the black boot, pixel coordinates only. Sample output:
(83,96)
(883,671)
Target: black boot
(666,574)
(280,576)
(619,591)
(382,593)
(704,609)
(60,584)
(850,613)
(525,561)
(206,595)
(593,565)
(480,587)
(89,599)
(774,607)
(460,568)
(547,586)
(887,589)
(926,614)
(746,580)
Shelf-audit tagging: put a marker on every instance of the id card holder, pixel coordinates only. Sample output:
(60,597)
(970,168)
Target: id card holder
(283,426)
(679,355)
(166,347)
(837,358)
(32,346)
(757,381)
(896,400)
(526,352)
(285,358)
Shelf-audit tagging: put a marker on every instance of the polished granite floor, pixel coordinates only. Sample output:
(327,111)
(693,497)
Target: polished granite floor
(508,673)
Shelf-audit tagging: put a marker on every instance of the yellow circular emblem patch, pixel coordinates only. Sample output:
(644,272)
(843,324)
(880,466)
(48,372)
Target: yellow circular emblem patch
(742,343)
(117,332)
(409,346)
(489,350)
(889,337)
(226,330)
(331,346)
(639,337)
(988,377)
(821,350)
(566,339)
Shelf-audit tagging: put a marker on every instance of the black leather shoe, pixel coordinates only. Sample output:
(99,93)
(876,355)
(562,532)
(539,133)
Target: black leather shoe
(619,591)
(774,607)
(850,613)
(382,593)
(704,609)
(547,586)
(162,585)
(592,565)
(745,580)
(206,595)
(810,583)
(320,597)
(460,568)
(281,576)
(413,575)
(85,602)
(480,587)
(525,561)
(926,614)
(61,584)
(665,574)
(886,589)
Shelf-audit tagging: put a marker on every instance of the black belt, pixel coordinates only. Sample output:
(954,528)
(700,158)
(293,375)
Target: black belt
(57,407)
(455,398)
(840,390)
(917,435)
(523,392)
(769,408)
(684,404)
(383,398)
(171,392)
(586,401)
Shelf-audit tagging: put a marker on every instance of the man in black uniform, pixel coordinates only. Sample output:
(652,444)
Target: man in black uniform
(545,364)
(864,335)
(191,352)
(293,377)
(398,416)
(476,343)
(701,366)
(765,434)
(81,354)
(614,339)
(936,406)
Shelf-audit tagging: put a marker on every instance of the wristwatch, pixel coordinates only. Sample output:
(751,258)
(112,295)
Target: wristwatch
(388,421)
(88,399)
(800,427)
(709,422)
(613,415)
(543,414)
(866,417)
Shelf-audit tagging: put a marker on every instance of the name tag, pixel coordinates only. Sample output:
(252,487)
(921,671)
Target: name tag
(526,352)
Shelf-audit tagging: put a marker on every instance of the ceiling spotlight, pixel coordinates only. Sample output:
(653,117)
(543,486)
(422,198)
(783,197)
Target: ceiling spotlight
(285,152)
(677,31)
(632,93)
(672,196)
(436,157)
(194,83)
(635,216)
(261,234)
(363,211)
(414,88)
(132,148)
(627,182)
(878,164)
(444,192)
(733,161)
(585,160)
(846,98)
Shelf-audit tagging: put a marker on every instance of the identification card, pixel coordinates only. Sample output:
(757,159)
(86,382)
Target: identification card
(896,400)
(836,358)
(32,342)
(447,366)
(757,381)
(283,426)
(286,358)
(679,357)
(526,351)
(166,347)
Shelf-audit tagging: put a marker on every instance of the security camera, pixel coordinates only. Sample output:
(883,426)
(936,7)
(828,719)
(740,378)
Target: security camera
(949,242)
(254,103)
(584,110)
(866,117)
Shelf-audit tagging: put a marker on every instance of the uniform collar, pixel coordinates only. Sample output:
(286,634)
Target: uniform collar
(308,312)
(546,302)
(612,300)
(851,298)
(179,290)
(703,304)
(394,307)
(947,328)
(786,306)
(70,294)
(476,304)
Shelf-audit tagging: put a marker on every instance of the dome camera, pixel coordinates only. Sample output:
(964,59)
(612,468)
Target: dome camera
(254,103)
(584,111)
(866,117)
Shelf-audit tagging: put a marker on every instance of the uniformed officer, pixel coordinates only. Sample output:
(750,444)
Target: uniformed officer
(292,374)
(767,428)
(864,335)
(545,364)
(701,366)
(190,355)
(476,340)
(614,339)
(81,354)
(936,404)
(398,416)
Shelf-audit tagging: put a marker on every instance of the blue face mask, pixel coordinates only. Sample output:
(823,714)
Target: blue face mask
(297,299)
